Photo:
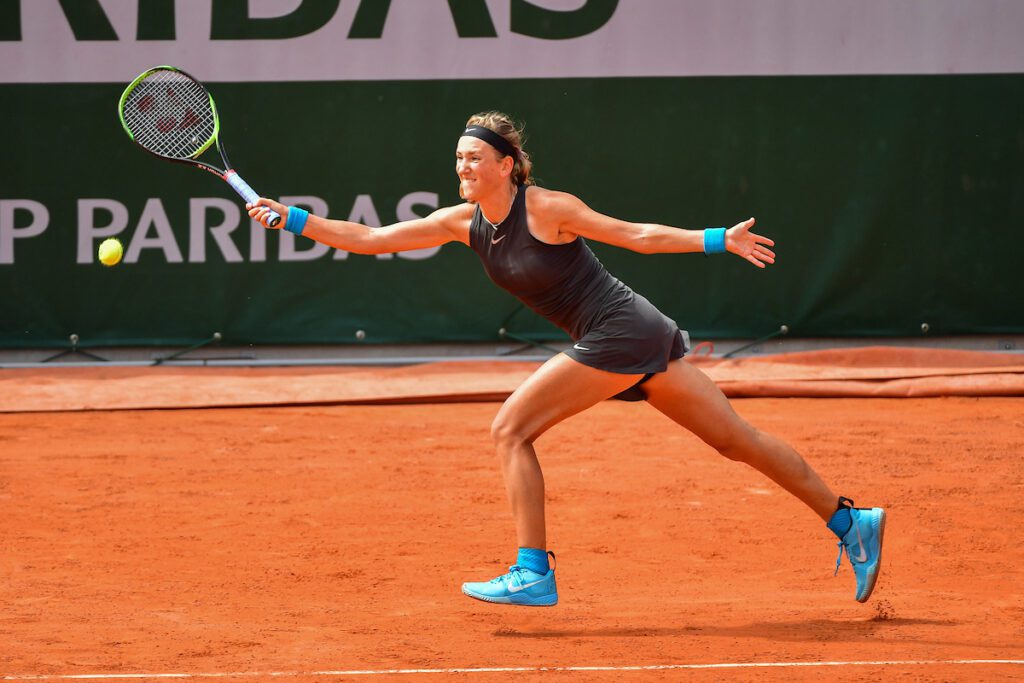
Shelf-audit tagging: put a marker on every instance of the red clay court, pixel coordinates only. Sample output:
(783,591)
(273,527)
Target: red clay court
(328,541)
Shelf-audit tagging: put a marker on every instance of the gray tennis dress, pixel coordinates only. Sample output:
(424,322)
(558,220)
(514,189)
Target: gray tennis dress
(613,327)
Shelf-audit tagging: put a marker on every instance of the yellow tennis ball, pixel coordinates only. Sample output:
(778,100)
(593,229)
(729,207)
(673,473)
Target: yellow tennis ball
(110,251)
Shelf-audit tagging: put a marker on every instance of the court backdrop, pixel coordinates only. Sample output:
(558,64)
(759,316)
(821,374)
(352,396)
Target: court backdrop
(881,144)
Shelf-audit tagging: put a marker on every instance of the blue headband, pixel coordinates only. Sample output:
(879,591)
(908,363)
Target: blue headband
(496,141)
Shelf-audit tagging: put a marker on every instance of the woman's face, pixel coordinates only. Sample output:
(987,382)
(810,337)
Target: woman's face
(479,169)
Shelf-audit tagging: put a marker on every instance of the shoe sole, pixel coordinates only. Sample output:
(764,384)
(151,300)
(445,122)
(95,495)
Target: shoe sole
(873,578)
(522,601)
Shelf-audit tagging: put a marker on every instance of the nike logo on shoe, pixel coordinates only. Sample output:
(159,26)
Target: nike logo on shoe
(495,241)
(516,589)
(580,348)
(862,556)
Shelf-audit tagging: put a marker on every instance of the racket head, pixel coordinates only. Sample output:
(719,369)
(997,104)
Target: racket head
(169,113)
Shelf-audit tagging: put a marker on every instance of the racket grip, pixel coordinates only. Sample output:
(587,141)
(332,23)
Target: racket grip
(249,195)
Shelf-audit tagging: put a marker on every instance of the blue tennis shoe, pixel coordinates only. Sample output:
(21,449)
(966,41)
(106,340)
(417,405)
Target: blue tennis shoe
(863,545)
(521,586)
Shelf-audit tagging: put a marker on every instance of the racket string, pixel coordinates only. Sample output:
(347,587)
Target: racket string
(170,114)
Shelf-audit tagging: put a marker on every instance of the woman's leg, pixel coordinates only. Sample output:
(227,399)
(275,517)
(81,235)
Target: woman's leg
(559,389)
(690,398)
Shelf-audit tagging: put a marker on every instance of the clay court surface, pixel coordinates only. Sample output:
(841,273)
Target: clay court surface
(246,542)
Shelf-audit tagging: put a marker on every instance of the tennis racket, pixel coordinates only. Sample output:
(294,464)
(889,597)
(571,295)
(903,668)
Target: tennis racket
(172,115)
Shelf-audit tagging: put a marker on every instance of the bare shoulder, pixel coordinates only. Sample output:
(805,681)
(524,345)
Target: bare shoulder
(455,219)
(553,215)
(455,214)
(550,203)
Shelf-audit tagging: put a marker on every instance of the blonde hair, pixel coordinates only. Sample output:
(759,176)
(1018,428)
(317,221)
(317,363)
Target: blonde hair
(513,132)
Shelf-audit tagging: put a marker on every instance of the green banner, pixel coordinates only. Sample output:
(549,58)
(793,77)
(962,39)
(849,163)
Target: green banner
(891,200)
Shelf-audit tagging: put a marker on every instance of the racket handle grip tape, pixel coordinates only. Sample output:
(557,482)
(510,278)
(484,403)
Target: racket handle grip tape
(249,195)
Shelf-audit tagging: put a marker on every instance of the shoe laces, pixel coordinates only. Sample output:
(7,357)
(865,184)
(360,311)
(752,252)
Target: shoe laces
(515,573)
(843,545)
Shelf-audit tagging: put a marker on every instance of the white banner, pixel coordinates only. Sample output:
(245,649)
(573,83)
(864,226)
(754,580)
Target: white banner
(297,40)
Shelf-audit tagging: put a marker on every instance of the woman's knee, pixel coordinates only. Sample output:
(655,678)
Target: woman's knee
(739,444)
(507,432)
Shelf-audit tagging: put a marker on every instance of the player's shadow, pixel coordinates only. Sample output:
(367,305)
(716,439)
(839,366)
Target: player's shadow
(811,630)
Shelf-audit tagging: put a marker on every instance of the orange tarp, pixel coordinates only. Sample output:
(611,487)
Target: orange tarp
(860,372)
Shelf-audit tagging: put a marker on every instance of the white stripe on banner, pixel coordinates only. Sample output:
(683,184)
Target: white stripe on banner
(518,669)
(420,39)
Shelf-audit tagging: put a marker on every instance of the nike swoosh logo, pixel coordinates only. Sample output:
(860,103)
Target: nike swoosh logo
(862,556)
(580,348)
(516,589)
(495,241)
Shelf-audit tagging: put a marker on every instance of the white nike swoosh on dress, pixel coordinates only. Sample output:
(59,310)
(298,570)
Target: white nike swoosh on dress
(516,589)
(495,241)
(580,348)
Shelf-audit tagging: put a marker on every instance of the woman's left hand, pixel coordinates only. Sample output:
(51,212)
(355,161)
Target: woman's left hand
(751,246)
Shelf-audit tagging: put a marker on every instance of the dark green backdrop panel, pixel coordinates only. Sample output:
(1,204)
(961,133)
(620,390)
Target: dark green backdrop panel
(894,201)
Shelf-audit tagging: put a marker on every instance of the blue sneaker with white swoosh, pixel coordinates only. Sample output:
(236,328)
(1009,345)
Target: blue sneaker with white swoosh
(863,546)
(520,586)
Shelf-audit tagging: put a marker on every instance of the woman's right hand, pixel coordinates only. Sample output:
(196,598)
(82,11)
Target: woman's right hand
(261,210)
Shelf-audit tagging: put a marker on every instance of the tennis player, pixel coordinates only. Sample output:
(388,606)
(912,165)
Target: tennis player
(532,242)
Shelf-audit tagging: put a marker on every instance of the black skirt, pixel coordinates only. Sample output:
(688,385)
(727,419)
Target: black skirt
(632,338)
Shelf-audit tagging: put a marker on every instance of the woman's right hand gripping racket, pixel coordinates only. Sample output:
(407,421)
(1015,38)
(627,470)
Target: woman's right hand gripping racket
(172,115)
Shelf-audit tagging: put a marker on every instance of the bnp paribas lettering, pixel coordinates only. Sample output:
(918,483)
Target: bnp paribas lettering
(233,20)
(216,229)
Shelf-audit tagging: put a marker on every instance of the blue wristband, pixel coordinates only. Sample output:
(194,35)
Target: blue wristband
(296,220)
(714,241)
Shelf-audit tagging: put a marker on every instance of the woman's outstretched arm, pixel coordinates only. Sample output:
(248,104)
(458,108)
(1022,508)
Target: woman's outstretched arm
(573,217)
(445,225)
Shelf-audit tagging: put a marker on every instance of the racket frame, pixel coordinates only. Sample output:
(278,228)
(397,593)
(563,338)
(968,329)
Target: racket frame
(227,174)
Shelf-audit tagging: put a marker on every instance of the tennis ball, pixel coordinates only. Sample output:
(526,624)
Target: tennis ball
(110,251)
